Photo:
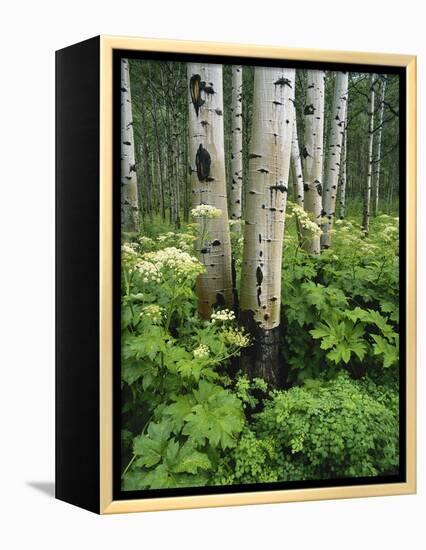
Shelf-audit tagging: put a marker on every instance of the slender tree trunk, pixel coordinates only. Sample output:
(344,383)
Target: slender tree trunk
(269,154)
(129,184)
(313,154)
(343,174)
(237,145)
(208,182)
(147,172)
(379,148)
(367,195)
(296,165)
(337,128)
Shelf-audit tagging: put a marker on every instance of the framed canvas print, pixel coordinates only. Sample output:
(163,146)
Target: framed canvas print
(235,274)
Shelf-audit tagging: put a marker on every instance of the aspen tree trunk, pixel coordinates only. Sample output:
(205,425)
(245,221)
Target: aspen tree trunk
(269,163)
(367,196)
(343,174)
(337,128)
(312,154)
(129,184)
(379,148)
(208,184)
(237,144)
(296,165)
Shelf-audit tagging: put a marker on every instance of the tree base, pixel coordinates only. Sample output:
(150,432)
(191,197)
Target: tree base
(262,358)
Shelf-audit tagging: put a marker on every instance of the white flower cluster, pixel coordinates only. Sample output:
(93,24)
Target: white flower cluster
(181,263)
(206,211)
(129,248)
(143,240)
(233,223)
(153,312)
(149,272)
(222,316)
(201,352)
(186,241)
(236,337)
(306,223)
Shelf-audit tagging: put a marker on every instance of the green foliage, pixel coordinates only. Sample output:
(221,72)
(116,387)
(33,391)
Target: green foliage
(179,414)
(189,420)
(322,430)
(340,311)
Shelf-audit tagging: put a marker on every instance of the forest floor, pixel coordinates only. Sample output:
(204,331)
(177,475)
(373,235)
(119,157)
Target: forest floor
(191,418)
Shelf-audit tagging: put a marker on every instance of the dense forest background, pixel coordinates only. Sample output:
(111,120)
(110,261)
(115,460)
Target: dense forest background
(260,277)
(160,122)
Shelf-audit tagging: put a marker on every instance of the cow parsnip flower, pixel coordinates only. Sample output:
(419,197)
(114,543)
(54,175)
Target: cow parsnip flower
(305,222)
(180,262)
(153,312)
(236,337)
(148,271)
(201,352)
(222,316)
(206,211)
(129,249)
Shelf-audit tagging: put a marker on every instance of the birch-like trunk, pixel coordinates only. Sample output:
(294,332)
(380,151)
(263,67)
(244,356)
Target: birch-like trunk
(312,154)
(337,128)
(268,171)
(367,195)
(129,184)
(343,174)
(237,145)
(208,184)
(296,164)
(378,159)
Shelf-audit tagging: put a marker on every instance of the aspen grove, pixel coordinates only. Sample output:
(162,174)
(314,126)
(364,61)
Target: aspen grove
(260,274)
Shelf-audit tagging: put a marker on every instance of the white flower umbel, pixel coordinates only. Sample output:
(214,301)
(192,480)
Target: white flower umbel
(236,337)
(305,221)
(181,263)
(206,211)
(201,352)
(223,316)
(153,312)
(148,271)
(129,248)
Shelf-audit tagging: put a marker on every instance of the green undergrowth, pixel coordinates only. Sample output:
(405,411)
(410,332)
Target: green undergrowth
(190,418)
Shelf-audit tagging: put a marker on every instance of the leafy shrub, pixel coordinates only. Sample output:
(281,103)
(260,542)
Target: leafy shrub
(325,429)
(333,429)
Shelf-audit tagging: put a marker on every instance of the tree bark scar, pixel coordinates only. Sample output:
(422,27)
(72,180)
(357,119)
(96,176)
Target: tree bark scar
(195,86)
(220,300)
(283,82)
(259,276)
(278,187)
(203,163)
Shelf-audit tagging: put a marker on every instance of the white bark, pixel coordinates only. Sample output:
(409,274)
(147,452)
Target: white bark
(367,196)
(379,147)
(335,141)
(343,174)
(312,154)
(296,164)
(237,145)
(208,184)
(269,163)
(129,184)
